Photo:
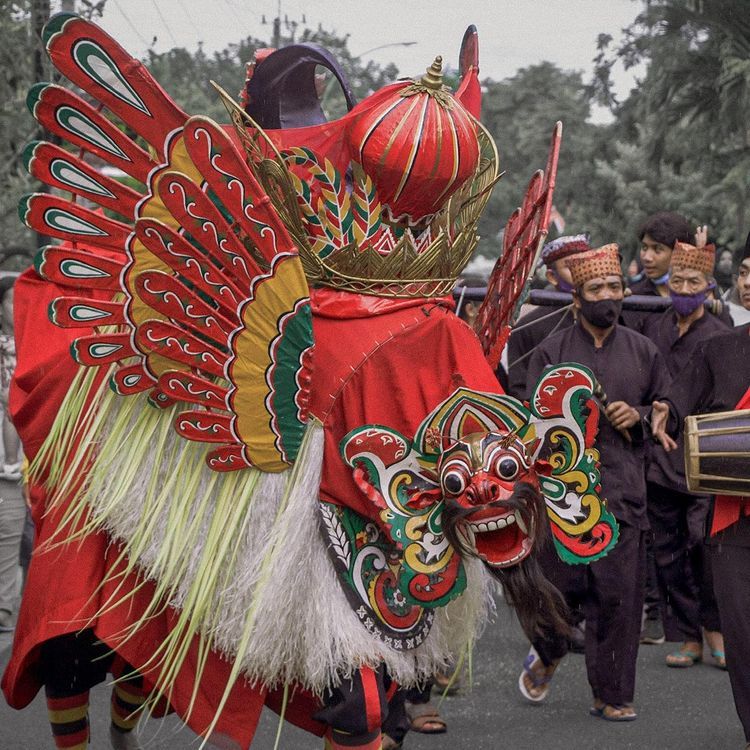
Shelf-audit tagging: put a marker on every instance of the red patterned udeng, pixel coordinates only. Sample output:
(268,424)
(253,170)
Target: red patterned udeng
(417,143)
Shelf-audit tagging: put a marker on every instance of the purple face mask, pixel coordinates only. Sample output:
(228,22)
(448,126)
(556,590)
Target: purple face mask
(562,285)
(685,304)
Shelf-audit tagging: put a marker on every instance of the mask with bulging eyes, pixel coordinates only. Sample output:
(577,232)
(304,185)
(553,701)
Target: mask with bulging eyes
(492,499)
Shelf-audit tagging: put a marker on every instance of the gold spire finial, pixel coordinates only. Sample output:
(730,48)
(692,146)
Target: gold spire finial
(433,78)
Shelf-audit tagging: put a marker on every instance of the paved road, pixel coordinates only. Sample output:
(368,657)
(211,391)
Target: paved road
(678,710)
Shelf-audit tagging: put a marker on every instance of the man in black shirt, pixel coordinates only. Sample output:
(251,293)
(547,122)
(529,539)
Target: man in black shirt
(536,325)
(657,236)
(717,378)
(676,517)
(630,369)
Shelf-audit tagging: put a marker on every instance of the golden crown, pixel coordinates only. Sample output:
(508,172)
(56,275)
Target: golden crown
(343,236)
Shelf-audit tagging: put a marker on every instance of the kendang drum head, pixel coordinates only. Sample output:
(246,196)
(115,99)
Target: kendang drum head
(717,453)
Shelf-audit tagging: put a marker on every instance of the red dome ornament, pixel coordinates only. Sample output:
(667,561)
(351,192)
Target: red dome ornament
(418,144)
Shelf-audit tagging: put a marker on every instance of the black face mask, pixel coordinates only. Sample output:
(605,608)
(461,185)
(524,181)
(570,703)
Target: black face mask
(603,313)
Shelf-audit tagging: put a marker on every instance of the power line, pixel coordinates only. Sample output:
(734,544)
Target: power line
(164,23)
(190,20)
(132,26)
(234,12)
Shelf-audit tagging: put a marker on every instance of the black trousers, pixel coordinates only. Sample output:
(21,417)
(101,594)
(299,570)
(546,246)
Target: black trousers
(731,571)
(682,569)
(359,709)
(612,592)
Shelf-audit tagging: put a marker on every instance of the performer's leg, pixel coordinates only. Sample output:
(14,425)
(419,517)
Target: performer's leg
(70,665)
(731,570)
(653,631)
(700,562)
(126,706)
(355,711)
(396,724)
(69,718)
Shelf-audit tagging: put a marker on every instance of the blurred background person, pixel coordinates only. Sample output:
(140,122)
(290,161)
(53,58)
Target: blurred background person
(737,297)
(539,322)
(677,518)
(12,504)
(724,269)
(11,442)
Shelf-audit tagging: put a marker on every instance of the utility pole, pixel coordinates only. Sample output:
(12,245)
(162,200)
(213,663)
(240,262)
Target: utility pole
(276,41)
(289,25)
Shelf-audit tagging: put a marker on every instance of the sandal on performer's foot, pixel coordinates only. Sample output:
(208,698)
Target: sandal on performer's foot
(534,681)
(715,642)
(425,718)
(690,653)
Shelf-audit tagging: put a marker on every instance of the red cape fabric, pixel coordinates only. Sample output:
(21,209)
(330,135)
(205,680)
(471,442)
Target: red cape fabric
(728,508)
(389,368)
(43,375)
(377,361)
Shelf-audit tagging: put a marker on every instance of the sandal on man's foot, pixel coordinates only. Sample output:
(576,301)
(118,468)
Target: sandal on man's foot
(720,659)
(447,683)
(685,657)
(613,711)
(425,718)
(534,681)
(388,743)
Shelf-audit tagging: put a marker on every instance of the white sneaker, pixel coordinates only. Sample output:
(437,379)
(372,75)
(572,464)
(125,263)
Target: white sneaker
(11,472)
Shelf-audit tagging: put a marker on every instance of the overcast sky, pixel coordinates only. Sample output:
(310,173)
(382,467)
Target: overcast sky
(512,33)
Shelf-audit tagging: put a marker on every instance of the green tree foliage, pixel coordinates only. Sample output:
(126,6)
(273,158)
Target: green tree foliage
(16,127)
(688,123)
(520,112)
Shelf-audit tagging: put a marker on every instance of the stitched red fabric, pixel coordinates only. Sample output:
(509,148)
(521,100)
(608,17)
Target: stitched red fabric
(729,508)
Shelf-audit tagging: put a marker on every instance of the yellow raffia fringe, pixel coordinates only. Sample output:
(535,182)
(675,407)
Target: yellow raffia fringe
(282,520)
(284,701)
(110,445)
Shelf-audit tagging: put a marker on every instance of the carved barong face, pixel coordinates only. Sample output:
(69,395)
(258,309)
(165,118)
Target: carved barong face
(475,480)
(485,514)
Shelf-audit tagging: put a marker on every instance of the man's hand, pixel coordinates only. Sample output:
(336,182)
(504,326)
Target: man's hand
(701,236)
(659,419)
(621,415)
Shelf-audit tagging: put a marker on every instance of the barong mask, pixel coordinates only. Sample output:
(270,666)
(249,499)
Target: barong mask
(474,481)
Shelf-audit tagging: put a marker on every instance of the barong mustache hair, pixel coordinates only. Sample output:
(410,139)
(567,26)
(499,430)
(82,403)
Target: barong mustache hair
(539,606)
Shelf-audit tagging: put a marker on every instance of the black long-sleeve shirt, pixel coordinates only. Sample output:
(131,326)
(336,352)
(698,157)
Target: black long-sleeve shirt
(715,379)
(636,319)
(668,469)
(630,369)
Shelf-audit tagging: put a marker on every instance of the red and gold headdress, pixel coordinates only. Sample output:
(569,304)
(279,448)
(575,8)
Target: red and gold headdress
(698,258)
(598,263)
(420,168)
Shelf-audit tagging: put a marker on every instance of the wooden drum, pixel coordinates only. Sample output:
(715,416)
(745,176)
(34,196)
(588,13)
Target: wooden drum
(717,453)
